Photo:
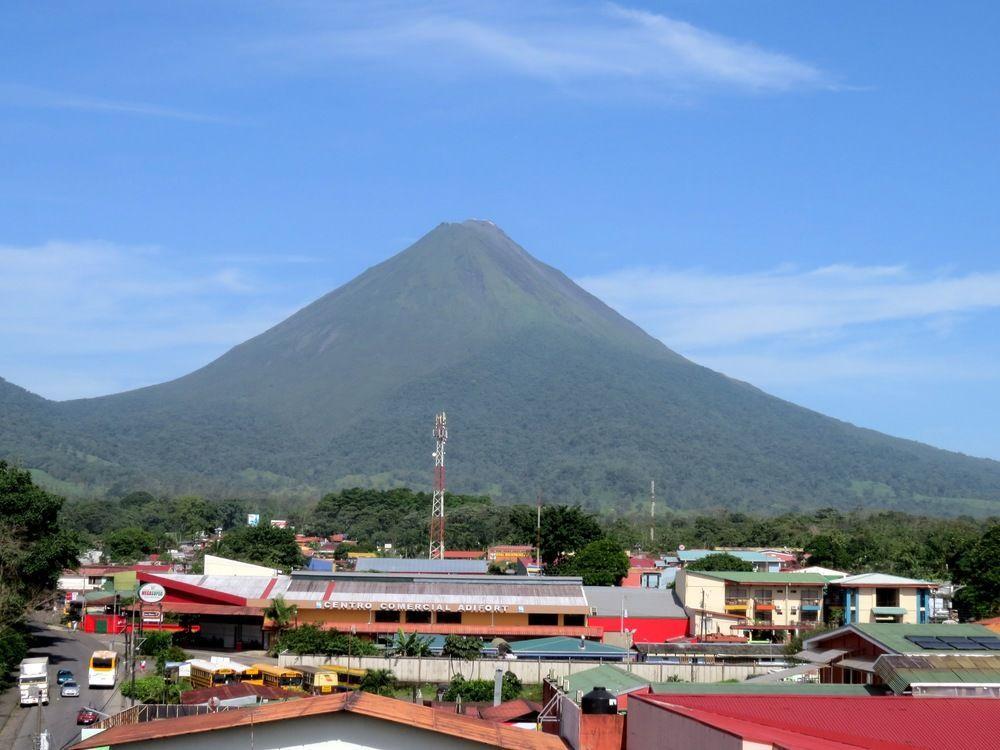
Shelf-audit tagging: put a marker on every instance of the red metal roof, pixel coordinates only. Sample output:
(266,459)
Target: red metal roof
(236,690)
(880,723)
(511,711)
(171,584)
(487,733)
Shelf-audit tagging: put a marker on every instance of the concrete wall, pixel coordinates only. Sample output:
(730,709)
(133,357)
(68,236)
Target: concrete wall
(529,671)
(338,731)
(907,599)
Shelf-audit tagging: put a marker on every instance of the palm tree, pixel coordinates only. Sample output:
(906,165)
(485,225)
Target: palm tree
(281,613)
(410,644)
(379,681)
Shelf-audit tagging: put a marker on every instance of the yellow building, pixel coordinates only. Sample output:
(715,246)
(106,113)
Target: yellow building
(757,605)
(879,597)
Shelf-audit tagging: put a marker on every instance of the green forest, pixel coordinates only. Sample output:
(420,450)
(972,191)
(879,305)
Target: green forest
(958,549)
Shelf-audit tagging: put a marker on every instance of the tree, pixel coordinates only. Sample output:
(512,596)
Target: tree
(128,545)
(828,550)
(34,548)
(600,563)
(462,647)
(262,545)
(978,571)
(410,644)
(482,690)
(722,561)
(154,689)
(379,681)
(192,515)
(281,613)
(565,529)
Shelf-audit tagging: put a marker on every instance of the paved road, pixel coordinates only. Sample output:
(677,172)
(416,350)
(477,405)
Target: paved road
(66,650)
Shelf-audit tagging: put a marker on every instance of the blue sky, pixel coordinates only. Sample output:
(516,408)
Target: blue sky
(801,195)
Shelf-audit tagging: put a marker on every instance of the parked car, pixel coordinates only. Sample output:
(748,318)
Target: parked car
(64,675)
(70,689)
(86,716)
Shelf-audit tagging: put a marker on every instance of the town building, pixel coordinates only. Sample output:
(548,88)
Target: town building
(464,554)
(422,565)
(336,722)
(879,597)
(762,563)
(849,654)
(644,615)
(223,566)
(230,609)
(809,722)
(768,606)
(509,553)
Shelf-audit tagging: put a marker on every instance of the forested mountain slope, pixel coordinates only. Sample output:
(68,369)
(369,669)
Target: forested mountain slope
(547,389)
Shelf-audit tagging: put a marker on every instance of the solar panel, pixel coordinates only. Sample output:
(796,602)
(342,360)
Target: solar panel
(988,641)
(961,643)
(928,642)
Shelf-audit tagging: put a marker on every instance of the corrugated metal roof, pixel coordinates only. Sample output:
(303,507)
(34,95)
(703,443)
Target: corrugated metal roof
(248,587)
(879,579)
(612,678)
(442,591)
(760,688)
(563,646)
(869,722)
(690,555)
(792,579)
(419,565)
(487,733)
(610,601)
(236,690)
(893,635)
(820,657)
(900,671)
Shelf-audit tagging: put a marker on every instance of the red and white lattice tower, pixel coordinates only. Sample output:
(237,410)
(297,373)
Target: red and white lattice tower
(437,502)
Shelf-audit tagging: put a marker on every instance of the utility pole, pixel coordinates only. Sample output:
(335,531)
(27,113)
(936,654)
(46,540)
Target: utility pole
(538,532)
(652,510)
(436,547)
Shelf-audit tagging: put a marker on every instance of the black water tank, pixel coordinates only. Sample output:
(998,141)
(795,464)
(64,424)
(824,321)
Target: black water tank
(599,701)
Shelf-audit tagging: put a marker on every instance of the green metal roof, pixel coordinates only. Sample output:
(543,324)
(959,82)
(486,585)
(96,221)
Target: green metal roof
(889,611)
(900,672)
(615,680)
(803,579)
(565,645)
(760,688)
(892,635)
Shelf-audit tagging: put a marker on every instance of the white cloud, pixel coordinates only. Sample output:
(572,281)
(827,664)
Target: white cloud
(696,310)
(553,42)
(122,316)
(30,96)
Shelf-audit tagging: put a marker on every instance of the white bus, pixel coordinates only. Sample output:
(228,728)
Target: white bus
(103,669)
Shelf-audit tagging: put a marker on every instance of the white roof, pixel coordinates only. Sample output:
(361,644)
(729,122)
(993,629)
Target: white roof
(878,579)
(822,571)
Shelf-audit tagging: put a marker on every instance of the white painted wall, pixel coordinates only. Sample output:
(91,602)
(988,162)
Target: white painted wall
(222,566)
(529,671)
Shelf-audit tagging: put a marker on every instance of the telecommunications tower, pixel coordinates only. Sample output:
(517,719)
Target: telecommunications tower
(436,550)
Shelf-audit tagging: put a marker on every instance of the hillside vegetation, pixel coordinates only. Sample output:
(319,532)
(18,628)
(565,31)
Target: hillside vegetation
(547,390)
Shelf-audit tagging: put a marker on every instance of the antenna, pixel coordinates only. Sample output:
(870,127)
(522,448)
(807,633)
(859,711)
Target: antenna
(652,510)
(436,548)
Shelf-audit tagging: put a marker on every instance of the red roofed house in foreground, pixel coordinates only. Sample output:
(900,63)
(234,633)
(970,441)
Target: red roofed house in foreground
(341,721)
(799,722)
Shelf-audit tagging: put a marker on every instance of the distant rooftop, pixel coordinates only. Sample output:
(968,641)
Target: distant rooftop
(895,637)
(879,579)
(611,601)
(419,565)
(792,579)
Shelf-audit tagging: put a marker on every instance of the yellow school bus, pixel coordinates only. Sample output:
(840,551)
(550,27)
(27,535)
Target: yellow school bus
(212,674)
(280,677)
(318,681)
(348,678)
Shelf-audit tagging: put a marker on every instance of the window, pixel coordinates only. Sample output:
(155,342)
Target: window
(419,617)
(886,597)
(387,615)
(573,621)
(542,618)
(449,618)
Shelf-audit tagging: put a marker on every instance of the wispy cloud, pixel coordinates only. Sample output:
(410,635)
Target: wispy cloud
(30,96)
(553,42)
(92,303)
(697,309)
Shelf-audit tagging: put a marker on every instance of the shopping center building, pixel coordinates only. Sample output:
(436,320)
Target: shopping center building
(229,610)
